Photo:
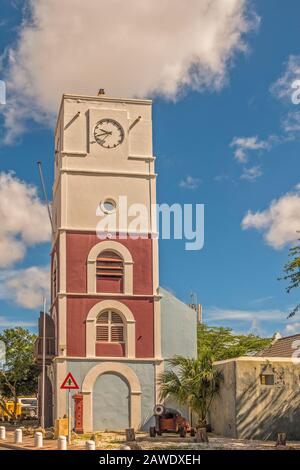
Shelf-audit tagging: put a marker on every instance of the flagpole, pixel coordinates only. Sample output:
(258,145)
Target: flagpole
(43,368)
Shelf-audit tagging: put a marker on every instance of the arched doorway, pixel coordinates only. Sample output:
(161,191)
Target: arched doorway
(91,398)
(111,403)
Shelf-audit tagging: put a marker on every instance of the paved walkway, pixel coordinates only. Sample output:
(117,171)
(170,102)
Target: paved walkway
(28,443)
(112,441)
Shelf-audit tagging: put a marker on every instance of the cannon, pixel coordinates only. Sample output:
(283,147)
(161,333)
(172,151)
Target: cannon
(169,420)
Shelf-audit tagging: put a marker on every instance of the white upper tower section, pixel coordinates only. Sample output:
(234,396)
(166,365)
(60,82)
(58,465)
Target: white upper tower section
(103,149)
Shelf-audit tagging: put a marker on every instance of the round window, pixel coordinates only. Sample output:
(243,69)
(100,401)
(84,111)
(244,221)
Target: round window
(108,206)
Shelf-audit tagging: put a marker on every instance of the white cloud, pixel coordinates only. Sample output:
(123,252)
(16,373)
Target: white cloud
(287,89)
(262,322)
(292,328)
(133,48)
(7,323)
(190,183)
(282,88)
(26,287)
(251,174)
(291,122)
(243,145)
(24,220)
(279,222)
(219,314)
(261,299)
(221,177)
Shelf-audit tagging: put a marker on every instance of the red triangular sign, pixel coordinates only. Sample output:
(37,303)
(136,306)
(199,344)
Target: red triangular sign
(69,383)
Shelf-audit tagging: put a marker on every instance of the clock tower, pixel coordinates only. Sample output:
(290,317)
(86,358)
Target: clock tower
(113,326)
(105,300)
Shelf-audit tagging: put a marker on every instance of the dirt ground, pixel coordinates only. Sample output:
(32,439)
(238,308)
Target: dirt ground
(116,440)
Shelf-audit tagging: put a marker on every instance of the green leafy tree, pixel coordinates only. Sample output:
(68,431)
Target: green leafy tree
(19,373)
(292,274)
(192,382)
(221,343)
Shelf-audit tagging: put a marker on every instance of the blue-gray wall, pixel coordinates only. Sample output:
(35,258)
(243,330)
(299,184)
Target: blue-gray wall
(111,401)
(146,374)
(178,327)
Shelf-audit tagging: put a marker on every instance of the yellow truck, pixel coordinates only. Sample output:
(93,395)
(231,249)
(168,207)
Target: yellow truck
(26,408)
(4,416)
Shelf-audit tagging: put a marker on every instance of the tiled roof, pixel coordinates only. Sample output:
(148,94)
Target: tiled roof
(283,347)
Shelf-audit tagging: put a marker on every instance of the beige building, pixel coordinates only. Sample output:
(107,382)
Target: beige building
(260,396)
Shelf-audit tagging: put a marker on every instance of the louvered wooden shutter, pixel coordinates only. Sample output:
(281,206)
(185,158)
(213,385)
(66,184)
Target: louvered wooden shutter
(117,334)
(115,318)
(109,264)
(103,318)
(102,333)
(110,327)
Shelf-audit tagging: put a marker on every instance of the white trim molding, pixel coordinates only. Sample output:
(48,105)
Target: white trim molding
(135,392)
(129,323)
(120,250)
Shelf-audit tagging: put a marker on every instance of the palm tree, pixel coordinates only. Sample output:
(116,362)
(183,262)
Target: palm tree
(192,382)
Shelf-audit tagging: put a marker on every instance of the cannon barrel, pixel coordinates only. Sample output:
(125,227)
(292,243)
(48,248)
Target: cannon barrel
(160,410)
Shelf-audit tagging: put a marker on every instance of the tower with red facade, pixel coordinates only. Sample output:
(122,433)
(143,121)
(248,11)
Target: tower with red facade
(113,326)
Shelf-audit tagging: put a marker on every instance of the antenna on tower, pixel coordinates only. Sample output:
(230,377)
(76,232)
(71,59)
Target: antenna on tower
(39,164)
(195,306)
(193,297)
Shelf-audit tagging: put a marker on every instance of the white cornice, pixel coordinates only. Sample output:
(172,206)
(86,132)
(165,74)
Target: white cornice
(292,360)
(83,171)
(73,152)
(105,98)
(105,359)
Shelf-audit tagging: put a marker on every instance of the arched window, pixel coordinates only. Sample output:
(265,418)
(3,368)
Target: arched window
(110,327)
(109,272)
(101,280)
(106,321)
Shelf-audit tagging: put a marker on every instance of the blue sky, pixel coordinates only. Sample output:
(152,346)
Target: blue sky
(233,146)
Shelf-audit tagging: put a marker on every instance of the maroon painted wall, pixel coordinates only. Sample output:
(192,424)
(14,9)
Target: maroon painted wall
(110,349)
(77,311)
(78,248)
(111,285)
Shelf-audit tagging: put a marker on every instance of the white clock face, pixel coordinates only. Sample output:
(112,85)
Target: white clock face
(109,133)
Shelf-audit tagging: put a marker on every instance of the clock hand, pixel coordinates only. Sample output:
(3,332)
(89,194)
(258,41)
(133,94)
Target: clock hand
(103,133)
(106,132)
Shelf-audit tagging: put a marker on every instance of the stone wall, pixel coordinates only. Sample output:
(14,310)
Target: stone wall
(248,408)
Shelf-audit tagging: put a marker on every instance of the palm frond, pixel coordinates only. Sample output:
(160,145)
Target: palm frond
(193,382)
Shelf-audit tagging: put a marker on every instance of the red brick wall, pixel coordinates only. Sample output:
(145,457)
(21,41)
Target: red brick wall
(110,349)
(77,311)
(110,285)
(78,248)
